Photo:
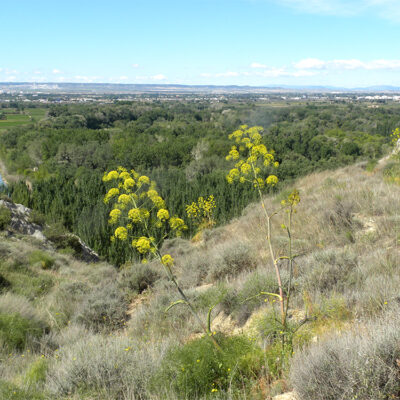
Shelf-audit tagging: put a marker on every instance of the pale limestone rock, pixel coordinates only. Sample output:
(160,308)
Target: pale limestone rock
(286,396)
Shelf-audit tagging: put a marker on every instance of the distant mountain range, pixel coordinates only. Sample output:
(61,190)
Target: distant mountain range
(109,88)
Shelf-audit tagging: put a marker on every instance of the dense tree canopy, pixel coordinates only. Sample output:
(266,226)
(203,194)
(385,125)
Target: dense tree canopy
(182,146)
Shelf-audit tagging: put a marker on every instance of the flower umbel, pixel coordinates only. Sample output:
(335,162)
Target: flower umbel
(253,159)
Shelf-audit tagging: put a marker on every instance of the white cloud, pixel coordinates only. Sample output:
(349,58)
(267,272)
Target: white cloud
(309,63)
(265,73)
(325,7)
(257,65)
(158,77)
(388,9)
(144,78)
(350,64)
(56,71)
(227,74)
(123,78)
(135,65)
(283,72)
(37,72)
(85,79)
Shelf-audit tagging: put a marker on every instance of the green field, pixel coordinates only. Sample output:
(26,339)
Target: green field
(25,117)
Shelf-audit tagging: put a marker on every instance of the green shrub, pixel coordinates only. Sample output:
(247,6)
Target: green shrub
(392,170)
(15,331)
(5,217)
(36,373)
(42,258)
(4,283)
(36,217)
(25,280)
(57,234)
(198,368)
(9,391)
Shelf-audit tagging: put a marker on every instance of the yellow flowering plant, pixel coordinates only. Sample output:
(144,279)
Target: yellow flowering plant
(137,211)
(202,212)
(253,162)
(395,136)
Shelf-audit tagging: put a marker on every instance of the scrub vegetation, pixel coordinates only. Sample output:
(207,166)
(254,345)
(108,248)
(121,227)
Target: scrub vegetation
(299,291)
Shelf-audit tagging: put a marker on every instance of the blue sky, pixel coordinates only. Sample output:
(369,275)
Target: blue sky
(349,43)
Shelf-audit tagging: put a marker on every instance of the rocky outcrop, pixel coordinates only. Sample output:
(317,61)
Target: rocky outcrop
(21,223)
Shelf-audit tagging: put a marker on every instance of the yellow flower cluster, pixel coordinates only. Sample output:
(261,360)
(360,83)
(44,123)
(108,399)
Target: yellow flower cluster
(201,212)
(137,205)
(142,245)
(167,260)
(294,197)
(124,199)
(110,176)
(121,233)
(178,225)
(252,157)
(272,180)
(395,135)
(110,194)
(163,214)
(114,215)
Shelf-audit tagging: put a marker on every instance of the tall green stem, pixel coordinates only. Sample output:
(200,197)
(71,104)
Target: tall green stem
(271,250)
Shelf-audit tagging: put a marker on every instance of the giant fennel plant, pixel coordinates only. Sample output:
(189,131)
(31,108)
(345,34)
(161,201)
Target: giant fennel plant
(254,165)
(137,210)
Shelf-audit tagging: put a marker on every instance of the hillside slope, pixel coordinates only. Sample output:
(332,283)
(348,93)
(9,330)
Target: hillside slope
(75,330)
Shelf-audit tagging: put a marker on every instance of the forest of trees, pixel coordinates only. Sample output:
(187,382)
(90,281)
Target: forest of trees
(182,146)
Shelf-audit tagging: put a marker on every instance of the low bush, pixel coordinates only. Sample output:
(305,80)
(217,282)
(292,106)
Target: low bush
(10,391)
(199,369)
(246,299)
(104,308)
(25,280)
(392,170)
(116,367)
(5,217)
(359,365)
(36,217)
(4,283)
(12,303)
(330,270)
(36,373)
(139,277)
(42,258)
(16,331)
(20,323)
(232,259)
(62,240)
